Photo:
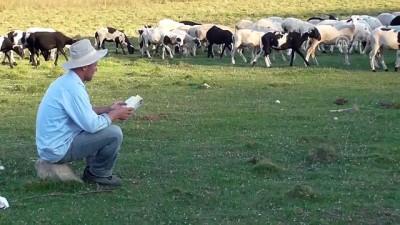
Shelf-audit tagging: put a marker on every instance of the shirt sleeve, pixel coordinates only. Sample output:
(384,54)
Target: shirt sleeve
(77,105)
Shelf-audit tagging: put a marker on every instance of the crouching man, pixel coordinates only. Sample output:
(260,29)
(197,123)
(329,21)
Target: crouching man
(69,128)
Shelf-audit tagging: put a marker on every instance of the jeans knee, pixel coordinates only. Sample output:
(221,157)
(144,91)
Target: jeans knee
(115,131)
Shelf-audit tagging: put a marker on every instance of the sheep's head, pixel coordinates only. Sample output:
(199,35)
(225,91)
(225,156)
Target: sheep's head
(19,50)
(305,36)
(314,33)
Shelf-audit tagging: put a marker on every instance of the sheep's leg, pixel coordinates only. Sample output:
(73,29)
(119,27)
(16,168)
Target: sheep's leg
(291,58)
(267,61)
(63,53)
(383,61)
(346,57)
(397,64)
(256,57)
(234,49)
(210,53)
(9,60)
(302,56)
(4,60)
(12,58)
(372,57)
(283,54)
(123,49)
(311,52)
(167,48)
(241,54)
(55,61)
(222,52)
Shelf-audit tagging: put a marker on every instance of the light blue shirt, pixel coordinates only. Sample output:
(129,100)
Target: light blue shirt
(64,112)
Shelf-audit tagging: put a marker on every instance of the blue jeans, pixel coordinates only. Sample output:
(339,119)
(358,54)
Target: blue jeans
(100,150)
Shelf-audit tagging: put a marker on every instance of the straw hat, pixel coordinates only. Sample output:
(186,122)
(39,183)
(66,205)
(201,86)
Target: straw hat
(83,54)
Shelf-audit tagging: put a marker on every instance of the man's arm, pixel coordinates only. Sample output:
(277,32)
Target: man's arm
(108,108)
(102,109)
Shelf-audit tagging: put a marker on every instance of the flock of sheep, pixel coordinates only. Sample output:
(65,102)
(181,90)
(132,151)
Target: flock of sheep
(264,37)
(362,33)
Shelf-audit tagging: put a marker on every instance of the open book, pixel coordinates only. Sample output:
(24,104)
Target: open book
(134,102)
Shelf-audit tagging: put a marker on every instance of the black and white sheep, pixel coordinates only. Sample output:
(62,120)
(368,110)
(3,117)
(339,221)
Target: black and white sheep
(6,46)
(341,34)
(282,41)
(109,34)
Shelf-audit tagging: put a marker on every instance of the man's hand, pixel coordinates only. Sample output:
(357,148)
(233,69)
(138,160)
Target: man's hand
(116,105)
(119,111)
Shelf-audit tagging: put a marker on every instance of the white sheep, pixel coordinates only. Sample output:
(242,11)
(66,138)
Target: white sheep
(380,38)
(169,24)
(245,38)
(190,43)
(341,34)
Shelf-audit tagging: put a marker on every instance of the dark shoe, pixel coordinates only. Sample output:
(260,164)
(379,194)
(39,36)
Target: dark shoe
(112,180)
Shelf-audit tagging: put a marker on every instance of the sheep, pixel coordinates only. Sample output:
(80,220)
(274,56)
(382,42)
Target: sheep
(380,38)
(190,23)
(373,22)
(216,35)
(294,24)
(189,43)
(45,41)
(109,34)
(385,18)
(332,35)
(168,24)
(244,24)
(269,24)
(6,45)
(158,36)
(15,37)
(395,21)
(282,41)
(245,38)
(200,31)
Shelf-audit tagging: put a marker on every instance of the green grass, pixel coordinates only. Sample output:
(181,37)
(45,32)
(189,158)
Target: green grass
(227,154)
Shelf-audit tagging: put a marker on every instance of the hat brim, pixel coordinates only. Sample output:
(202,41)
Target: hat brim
(71,64)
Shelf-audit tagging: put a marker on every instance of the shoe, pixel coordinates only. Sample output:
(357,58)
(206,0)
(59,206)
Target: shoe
(112,180)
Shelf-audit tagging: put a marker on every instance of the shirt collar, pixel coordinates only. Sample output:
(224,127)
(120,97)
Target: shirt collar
(71,74)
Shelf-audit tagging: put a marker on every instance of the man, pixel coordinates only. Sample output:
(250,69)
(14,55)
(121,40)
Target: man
(68,128)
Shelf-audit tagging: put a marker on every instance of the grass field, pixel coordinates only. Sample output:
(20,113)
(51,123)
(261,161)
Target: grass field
(227,154)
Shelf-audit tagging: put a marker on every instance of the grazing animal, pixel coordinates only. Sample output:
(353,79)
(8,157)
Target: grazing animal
(15,37)
(245,38)
(160,37)
(44,42)
(216,35)
(6,45)
(395,21)
(168,24)
(384,38)
(339,34)
(189,43)
(282,41)
(191,23)
(109,34)
(385,18)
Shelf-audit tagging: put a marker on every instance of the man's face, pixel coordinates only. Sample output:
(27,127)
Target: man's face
(90,71)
